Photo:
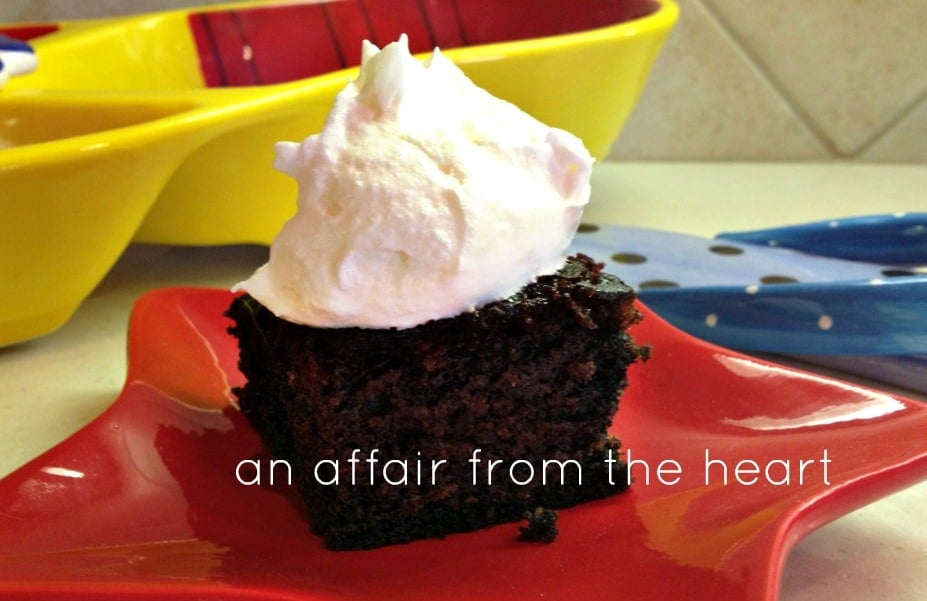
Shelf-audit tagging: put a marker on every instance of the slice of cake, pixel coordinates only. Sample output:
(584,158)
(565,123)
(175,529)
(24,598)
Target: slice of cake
(417,346)
(531,381)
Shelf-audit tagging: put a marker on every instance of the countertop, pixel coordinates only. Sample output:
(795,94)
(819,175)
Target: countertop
(51,387)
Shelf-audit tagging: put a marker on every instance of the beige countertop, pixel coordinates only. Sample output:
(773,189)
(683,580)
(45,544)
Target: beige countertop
(51,387)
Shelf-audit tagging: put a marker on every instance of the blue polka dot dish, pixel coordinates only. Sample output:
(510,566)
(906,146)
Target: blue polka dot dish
(849,294)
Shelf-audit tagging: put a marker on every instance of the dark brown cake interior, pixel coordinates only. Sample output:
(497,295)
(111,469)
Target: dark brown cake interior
(533,377)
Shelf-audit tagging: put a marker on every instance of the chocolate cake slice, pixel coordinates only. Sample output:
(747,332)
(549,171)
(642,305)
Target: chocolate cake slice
(450,426)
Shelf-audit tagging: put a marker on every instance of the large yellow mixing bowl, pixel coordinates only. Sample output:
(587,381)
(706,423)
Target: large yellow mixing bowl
(160,127)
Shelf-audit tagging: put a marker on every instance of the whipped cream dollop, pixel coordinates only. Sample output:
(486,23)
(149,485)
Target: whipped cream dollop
(423,197)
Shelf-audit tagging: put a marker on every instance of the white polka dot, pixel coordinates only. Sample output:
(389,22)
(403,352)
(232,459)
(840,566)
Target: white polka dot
(752,289)
(876,281)
(711,320)
(834,224)
(825,322)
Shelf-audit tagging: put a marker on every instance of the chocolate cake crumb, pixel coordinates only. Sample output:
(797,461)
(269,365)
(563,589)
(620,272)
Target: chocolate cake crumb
(541,526)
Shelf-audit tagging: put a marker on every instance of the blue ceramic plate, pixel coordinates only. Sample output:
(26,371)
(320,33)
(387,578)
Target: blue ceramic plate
(804,290)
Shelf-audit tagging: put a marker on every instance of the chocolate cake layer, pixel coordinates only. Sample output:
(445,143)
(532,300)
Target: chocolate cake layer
(410,421)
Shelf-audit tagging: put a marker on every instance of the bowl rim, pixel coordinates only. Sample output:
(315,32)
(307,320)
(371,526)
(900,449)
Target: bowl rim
(207,104)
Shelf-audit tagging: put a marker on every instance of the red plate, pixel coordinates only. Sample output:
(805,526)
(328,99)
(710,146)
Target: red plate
(143,502)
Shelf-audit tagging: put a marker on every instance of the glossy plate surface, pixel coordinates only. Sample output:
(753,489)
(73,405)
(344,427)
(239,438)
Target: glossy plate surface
(143,502)
(896,238)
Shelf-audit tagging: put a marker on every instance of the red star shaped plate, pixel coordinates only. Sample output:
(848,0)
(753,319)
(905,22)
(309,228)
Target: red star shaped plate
(144,503)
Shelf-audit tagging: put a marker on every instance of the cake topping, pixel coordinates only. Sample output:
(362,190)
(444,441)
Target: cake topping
(423,197)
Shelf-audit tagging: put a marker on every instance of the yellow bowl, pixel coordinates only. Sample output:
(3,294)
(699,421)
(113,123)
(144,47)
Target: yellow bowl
(159,127)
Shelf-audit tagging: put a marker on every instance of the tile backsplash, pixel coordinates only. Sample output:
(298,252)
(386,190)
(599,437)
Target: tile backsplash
(777,80)
(787,80)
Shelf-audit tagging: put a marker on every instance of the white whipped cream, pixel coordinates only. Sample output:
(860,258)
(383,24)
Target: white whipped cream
(423,197)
